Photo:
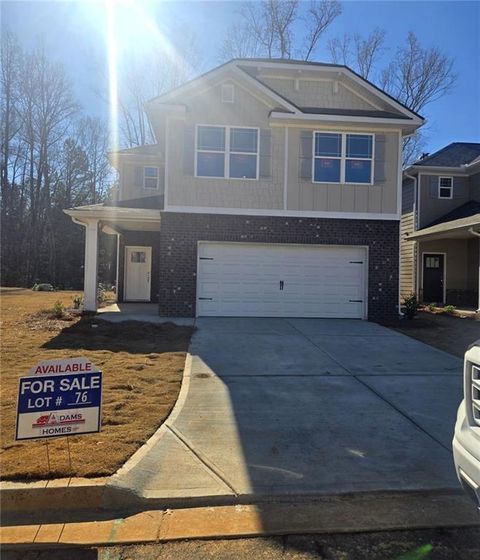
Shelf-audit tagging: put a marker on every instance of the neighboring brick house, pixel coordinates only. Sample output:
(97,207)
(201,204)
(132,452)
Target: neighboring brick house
(274,190)
(440,227)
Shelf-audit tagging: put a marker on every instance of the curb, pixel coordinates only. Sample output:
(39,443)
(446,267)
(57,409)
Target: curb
(333,514)
(157,436)
(65,493)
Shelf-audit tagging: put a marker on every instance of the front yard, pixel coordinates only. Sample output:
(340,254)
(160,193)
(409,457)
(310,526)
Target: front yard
(142,364)
(450,333)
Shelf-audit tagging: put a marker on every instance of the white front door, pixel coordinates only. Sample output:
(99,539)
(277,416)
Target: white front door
(267,280)
(138,269)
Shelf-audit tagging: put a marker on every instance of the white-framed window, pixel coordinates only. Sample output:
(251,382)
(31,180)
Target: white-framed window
(445,187)
(227,152)
(228,93)
(150,177)
(343,157)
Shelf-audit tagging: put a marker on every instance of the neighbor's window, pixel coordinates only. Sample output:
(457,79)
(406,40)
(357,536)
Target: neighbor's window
(227,152)
(445,187)
(150,177)
(343,158)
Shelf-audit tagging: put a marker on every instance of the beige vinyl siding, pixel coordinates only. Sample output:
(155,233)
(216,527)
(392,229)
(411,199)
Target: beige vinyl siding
(316,93)
(207,109)
(249,110)
(303,194)
(407,256)
(128,188)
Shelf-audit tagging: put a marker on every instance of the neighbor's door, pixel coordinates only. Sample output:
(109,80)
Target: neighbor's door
(138,269)
(433,277)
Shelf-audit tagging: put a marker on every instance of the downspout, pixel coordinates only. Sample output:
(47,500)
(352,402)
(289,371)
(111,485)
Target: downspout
(477,234)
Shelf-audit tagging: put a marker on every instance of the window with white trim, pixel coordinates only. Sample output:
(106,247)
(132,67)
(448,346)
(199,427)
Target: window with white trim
(227,152)
(340,157)
(445,187)
(150,177)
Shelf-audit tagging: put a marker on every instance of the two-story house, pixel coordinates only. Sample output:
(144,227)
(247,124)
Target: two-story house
(440,227)
(274,189)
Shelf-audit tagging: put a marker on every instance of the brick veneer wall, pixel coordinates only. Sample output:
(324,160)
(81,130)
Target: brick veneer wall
(140,239)
(180,233)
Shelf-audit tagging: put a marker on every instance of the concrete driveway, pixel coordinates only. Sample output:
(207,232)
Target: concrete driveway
(276,408)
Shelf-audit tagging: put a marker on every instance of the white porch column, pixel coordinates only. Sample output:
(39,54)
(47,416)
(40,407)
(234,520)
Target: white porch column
(90,268)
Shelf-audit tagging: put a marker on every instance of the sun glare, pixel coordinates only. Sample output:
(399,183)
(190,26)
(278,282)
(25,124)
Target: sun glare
(111,45)
(131,29)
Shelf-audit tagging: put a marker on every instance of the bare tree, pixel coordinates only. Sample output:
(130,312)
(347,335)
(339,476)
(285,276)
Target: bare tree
(359,53)
(418,76)
(368,50)
(319,17)
(147,75)
(340,50)
(270,28)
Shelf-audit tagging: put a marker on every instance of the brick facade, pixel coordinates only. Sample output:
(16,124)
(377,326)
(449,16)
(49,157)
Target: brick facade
(180,233)
(140,239)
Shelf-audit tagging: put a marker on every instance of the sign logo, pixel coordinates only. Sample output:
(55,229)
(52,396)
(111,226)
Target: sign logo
(59,398)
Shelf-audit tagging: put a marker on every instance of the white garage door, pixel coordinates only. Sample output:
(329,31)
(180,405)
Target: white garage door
(257,280)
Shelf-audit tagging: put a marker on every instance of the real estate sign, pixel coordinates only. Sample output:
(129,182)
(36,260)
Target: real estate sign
(59,398)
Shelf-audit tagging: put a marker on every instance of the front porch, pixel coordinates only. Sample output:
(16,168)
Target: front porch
(448,263)
(137,233)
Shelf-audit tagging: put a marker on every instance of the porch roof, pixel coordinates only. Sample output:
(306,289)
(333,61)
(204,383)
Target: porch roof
(117,218)
(454,229)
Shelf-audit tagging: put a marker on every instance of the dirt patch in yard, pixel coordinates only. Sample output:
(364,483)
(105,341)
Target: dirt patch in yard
(447,332)
(142,366)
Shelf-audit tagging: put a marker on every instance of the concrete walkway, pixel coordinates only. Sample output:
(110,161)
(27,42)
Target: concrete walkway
(282,409)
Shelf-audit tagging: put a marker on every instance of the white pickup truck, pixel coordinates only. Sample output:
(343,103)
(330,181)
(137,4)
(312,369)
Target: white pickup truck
(466,441)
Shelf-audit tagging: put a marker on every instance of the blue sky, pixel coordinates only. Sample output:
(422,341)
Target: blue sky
(74,32)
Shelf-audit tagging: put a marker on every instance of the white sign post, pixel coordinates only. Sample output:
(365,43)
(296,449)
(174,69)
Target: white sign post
(59,398)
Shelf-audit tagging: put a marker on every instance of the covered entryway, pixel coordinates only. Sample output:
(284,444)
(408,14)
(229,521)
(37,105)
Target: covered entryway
(137,232)
(448,264)
(277,280)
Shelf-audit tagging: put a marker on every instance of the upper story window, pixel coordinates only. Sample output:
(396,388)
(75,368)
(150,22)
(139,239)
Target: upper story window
(445,187)
(150,177)
(227,152)
(340,157)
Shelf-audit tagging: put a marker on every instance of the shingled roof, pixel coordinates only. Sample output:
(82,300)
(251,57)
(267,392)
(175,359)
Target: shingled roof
(464,211)
(455,154)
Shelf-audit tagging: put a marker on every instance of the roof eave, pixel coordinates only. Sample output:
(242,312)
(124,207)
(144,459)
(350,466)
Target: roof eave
(402,123)
(458,170)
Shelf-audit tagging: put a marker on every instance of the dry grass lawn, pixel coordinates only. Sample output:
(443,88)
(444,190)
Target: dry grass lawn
(142,368)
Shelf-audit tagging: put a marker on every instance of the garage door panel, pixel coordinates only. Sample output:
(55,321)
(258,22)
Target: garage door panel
(237,279)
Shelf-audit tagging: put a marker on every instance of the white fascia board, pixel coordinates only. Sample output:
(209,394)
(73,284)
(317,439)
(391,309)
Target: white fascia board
(440,170)
(282,213)
(343,70)
(114,212)
(342,118)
